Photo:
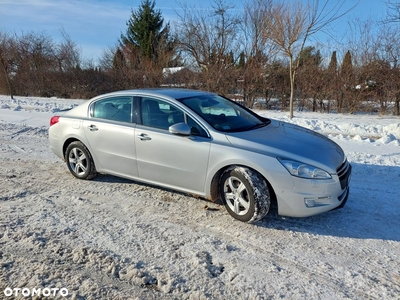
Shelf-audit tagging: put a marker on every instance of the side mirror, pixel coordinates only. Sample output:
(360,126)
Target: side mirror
(181,129)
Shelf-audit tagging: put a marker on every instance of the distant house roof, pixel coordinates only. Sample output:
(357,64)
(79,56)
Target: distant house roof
(170,71)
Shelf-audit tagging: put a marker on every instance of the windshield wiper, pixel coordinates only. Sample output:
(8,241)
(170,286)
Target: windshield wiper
(259,125)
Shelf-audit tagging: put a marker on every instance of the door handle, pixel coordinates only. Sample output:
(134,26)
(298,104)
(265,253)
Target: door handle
(93,127)
(144,137)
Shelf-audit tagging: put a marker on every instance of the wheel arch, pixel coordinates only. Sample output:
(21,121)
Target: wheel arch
(67,143)
(81,163)
(215,182)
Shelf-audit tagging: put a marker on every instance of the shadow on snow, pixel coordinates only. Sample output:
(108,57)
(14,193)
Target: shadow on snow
(371,212)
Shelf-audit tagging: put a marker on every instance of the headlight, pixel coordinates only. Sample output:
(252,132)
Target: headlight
(303,170)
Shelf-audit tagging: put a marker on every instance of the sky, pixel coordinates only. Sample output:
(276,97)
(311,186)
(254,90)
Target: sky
(96,25)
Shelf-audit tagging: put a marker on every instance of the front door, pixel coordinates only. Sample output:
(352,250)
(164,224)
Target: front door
(164,158)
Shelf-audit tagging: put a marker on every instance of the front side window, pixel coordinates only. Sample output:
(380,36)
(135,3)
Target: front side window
(116,109)
(195,128)
(223,114)
(160,114)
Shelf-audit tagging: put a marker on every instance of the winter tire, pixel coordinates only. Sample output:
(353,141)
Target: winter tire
(79,161)
(245,194)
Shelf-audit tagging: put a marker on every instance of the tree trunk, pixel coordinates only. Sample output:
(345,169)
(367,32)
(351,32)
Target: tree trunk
(397,106)
(7,78)
(266,98)
(292,75)
(340,102)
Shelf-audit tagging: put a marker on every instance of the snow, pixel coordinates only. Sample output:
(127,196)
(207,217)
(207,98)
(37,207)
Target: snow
(111,238)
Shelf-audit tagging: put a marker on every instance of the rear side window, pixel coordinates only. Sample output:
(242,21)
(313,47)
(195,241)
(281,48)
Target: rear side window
(116,109)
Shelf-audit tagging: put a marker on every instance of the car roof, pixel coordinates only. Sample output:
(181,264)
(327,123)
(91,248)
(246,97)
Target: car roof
(162,92)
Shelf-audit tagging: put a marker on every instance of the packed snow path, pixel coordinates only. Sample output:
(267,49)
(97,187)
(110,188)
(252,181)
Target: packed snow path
(112,238)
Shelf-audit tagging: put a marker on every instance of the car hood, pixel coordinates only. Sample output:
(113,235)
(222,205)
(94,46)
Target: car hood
(285,140)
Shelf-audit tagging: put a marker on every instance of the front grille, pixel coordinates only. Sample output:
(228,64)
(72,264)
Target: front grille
(344,172)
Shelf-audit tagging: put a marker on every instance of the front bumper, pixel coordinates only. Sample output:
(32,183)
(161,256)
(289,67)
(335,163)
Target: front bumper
(311,197)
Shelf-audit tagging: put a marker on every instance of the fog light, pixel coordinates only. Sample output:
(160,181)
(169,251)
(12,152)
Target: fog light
(309,202)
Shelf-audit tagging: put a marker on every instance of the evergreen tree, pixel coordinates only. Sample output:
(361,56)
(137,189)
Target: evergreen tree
(146,32)
(242,60)
(309,56)
(332,68)
(346,70)
(347,83)
(331,81)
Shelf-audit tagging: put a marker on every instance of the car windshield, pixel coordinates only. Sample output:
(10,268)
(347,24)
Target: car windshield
(223,114)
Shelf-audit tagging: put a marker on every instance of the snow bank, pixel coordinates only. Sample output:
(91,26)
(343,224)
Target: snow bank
(371,127)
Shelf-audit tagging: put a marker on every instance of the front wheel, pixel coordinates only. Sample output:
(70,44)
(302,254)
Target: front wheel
(79,161)
(245,194)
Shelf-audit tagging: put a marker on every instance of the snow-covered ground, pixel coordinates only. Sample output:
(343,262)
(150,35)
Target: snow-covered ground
(112,238)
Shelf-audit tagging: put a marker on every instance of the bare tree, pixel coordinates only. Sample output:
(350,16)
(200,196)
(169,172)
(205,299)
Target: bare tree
(389,43)
(361,56)
(389,55)
(67,53)
(256,57)
(362,40)
(393,15)
(289,25)
(8,56)
(208,38)
(36,62)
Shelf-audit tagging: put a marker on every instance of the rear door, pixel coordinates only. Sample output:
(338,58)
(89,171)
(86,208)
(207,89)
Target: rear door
(110,133)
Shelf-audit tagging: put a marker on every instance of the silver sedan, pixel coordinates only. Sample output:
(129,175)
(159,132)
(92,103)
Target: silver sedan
(202,143)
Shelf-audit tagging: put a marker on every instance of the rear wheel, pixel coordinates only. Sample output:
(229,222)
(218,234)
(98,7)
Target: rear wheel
(79,161)
(245,194)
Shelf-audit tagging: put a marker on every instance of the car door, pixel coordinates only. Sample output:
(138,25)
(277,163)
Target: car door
(168,159)
(110,133)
